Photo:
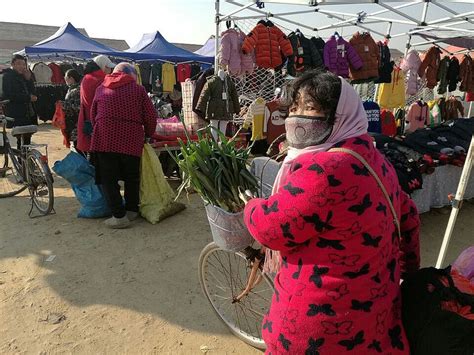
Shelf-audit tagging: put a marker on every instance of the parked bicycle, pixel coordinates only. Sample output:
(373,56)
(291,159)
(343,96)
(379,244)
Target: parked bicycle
(25,168)
(237,289)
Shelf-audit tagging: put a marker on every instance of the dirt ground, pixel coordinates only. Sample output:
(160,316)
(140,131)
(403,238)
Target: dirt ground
(133,291)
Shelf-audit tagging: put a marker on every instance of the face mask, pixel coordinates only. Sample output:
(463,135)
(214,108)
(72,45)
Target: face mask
(305,131)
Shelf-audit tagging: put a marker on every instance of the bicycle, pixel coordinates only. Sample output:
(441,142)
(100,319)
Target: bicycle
(25,168)
(237,289)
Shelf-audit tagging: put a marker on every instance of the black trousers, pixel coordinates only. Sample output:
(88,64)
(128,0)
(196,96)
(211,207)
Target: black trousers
(112,167)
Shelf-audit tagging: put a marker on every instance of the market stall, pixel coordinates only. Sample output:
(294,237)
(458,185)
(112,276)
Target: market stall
(408,97)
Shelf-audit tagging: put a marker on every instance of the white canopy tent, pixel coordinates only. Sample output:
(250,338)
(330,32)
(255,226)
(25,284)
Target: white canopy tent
(400,18)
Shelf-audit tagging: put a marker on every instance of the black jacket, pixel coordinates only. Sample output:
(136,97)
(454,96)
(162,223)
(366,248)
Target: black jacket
(453,74)
(385,64)
(305,55)
(319,44)
(18,90)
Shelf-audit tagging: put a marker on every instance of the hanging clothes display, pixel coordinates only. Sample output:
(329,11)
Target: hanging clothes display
(139,74)
(411,64)
(256,118)
(42,72)
(453,74)
(319,44)
(274,120)
(195,70)
(218,99)
(145,70)
(365,90)
(385,64)
(417,116)
(305,54)
(368,51)
(168,77)
(387,121)
(454,108)
(372,110)
(338,54)
(466,73)
(392,95)
(400,120)
(231,54)
(429,66)
(442,75)
(469,96)
(435,114)
(58,76)
(156,71)
(269,43)
(183,72)
(198,86)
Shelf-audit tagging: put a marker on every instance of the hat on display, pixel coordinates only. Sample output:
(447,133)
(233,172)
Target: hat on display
(103,61)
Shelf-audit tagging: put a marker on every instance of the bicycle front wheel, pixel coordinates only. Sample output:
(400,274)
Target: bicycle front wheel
(40,182)
(11,181)
(223,276)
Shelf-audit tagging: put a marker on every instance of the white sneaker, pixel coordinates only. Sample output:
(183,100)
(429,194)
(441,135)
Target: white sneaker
(131,215)
(117,223)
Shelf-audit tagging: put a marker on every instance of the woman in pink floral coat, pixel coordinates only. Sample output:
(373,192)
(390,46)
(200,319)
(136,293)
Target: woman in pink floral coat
(342,259)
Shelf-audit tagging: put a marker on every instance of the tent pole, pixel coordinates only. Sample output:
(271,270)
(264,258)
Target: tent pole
(216,49)
(407,46)
(466,171)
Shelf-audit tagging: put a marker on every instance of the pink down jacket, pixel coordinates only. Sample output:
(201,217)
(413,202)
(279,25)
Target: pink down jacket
(231,53)
(411,64)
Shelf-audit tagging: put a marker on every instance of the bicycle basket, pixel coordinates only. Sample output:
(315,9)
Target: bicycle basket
(228,229)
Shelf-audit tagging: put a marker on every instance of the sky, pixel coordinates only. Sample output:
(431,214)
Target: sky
(185,21)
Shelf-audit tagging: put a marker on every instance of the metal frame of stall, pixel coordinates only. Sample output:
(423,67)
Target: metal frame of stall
(361,19)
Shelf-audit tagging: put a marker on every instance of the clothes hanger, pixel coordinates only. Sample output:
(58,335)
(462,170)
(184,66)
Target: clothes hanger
(298,32)
(228,23)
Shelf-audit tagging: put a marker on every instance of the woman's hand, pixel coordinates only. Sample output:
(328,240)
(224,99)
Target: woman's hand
(246,195)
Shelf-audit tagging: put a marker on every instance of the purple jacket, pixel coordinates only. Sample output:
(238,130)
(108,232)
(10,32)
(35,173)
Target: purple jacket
(231,53)
(338,54)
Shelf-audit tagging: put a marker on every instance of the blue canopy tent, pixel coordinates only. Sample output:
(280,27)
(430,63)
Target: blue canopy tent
(68,42)
(208,49)
(153,46)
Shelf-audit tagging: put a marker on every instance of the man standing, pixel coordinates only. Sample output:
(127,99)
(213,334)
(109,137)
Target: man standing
(18,88)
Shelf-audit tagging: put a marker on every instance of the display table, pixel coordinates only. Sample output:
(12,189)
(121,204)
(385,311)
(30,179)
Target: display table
(435,191)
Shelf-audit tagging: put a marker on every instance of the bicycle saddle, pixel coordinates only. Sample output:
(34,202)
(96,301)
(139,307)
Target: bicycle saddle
(19,130)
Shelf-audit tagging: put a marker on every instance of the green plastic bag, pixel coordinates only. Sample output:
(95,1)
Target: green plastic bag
(156,195)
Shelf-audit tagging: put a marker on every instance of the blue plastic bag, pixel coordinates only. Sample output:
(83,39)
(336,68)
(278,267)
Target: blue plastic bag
(76,170)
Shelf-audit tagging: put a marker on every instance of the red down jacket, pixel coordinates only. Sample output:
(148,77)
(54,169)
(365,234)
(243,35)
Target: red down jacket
(269,43)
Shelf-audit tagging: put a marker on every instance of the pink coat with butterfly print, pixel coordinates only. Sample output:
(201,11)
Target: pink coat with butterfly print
(337,291)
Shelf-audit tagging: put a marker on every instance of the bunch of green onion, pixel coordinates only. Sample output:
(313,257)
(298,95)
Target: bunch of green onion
(215,169)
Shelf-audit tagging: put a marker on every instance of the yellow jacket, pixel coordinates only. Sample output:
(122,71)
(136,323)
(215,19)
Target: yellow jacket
(168,77)
(392,95)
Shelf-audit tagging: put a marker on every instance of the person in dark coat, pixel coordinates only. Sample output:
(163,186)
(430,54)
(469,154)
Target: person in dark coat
(72,104)
(19,88)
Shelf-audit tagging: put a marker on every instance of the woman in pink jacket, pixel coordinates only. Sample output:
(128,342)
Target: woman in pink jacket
(94,74)
(342,258)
